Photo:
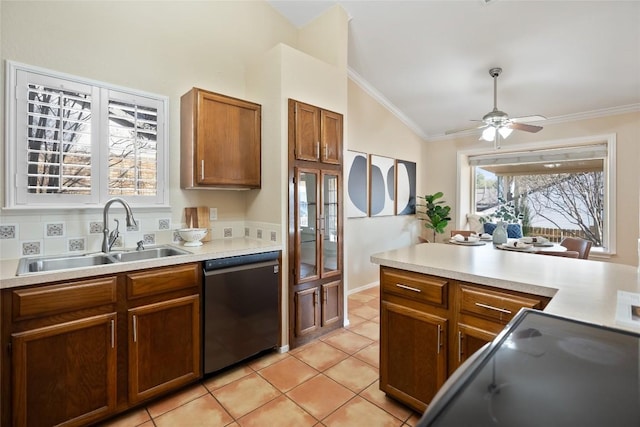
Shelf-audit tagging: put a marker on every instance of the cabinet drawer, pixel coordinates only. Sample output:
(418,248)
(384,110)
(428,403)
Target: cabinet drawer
(46,300)
(494,305)
(420,287)
(162,280)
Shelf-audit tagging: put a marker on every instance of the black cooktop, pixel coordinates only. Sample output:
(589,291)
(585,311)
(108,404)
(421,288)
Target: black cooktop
(544,370)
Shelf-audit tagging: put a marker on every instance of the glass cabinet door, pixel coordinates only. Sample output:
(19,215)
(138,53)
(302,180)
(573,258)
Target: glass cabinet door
(330,224)
(307,224)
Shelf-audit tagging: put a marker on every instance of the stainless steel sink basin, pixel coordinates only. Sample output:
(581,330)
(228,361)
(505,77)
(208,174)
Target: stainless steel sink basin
(151,253)
(33,265)
(64,262)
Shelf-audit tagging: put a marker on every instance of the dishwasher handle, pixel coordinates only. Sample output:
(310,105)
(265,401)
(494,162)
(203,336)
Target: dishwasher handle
(233,261)
(244,267)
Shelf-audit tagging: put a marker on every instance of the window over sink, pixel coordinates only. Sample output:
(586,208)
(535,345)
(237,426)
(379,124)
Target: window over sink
(78,142)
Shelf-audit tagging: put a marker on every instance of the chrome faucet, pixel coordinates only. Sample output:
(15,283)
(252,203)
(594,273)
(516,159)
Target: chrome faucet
(108,239)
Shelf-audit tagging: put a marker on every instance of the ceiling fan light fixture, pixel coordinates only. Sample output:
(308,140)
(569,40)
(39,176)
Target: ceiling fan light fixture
(489,134)
(505,132)
(496,121)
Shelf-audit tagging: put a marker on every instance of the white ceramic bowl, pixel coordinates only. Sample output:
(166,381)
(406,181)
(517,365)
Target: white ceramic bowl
(192,236)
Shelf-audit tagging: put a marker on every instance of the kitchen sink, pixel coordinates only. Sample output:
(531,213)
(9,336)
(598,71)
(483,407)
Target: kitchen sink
(64,262)
(151,253)
(33,265)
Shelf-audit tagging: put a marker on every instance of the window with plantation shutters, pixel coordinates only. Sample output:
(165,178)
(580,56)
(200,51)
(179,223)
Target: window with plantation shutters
(133,138)
(81,142)
(58,143)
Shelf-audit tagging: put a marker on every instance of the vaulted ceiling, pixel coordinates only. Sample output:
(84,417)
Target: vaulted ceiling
(429,61)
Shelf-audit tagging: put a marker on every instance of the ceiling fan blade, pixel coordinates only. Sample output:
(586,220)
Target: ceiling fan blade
(524,127)
(449,132)
(525,119)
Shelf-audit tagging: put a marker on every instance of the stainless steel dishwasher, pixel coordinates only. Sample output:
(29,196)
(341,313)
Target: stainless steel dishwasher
(240,305)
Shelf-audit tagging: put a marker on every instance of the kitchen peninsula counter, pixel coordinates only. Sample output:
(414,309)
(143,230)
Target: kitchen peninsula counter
(579,289)
(218,248)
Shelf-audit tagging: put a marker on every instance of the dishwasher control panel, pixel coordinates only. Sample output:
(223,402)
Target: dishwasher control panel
(216,264)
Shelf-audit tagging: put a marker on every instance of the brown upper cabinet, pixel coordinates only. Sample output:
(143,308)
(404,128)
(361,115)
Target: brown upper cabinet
(317,133)
(220,140)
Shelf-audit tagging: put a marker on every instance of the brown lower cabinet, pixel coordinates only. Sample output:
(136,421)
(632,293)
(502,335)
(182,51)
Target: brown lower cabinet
(414,344)
(317,307)
(77,352)
(65,374)
(163,349)
(430,325)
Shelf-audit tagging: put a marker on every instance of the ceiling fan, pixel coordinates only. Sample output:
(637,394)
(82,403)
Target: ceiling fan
(496,123)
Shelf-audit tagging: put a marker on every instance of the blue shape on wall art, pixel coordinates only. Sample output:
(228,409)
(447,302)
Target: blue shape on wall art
(357,186)
(356,201)
(406,190)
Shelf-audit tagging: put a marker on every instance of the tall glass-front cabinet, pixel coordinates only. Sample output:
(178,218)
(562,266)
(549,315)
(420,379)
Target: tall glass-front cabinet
(315,222)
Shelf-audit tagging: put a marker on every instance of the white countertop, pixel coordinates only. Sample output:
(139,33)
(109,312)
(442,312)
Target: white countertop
(219,248)
(580,289)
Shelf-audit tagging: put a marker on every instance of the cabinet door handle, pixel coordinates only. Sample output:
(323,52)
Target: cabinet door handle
(113,333)
(409,288)
(439,332)
(459,346)
(490,307)
(135,328)
(317,149)
(325,296)
(325,151)
(202,169)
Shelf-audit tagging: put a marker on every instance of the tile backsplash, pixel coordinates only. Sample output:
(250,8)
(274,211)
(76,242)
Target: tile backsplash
(33,234)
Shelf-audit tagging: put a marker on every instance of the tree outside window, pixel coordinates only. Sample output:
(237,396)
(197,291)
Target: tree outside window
(552,204)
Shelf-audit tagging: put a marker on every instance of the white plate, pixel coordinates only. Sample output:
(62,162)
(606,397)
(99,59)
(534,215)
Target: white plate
(511,248)
(455,242)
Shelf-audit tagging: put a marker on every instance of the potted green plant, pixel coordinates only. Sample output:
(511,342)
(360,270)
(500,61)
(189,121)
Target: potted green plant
(436,213)
(506,212)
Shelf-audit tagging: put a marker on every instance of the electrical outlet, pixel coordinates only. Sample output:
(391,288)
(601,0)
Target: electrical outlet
(213,214)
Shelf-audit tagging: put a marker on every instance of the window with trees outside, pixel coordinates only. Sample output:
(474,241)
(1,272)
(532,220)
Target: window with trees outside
(73,141)
(553,193)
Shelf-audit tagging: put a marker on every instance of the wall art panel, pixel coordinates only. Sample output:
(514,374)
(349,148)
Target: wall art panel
(381,185)
(405,187)
(357,202)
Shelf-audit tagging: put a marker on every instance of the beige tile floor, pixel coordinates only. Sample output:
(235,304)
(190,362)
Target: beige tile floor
(332,381)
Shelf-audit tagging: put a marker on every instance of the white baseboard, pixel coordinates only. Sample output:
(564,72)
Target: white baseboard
(283,349)
(364,287)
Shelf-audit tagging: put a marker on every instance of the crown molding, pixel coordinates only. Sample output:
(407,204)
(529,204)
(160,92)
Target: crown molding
(375,94)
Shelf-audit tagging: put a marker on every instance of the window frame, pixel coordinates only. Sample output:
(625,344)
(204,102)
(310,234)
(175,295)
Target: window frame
(16,196)
(466,181)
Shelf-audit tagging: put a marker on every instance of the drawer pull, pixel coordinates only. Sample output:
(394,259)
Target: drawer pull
(409,288)
(490,307)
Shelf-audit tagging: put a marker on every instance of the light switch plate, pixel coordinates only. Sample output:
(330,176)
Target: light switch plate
(213,214)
